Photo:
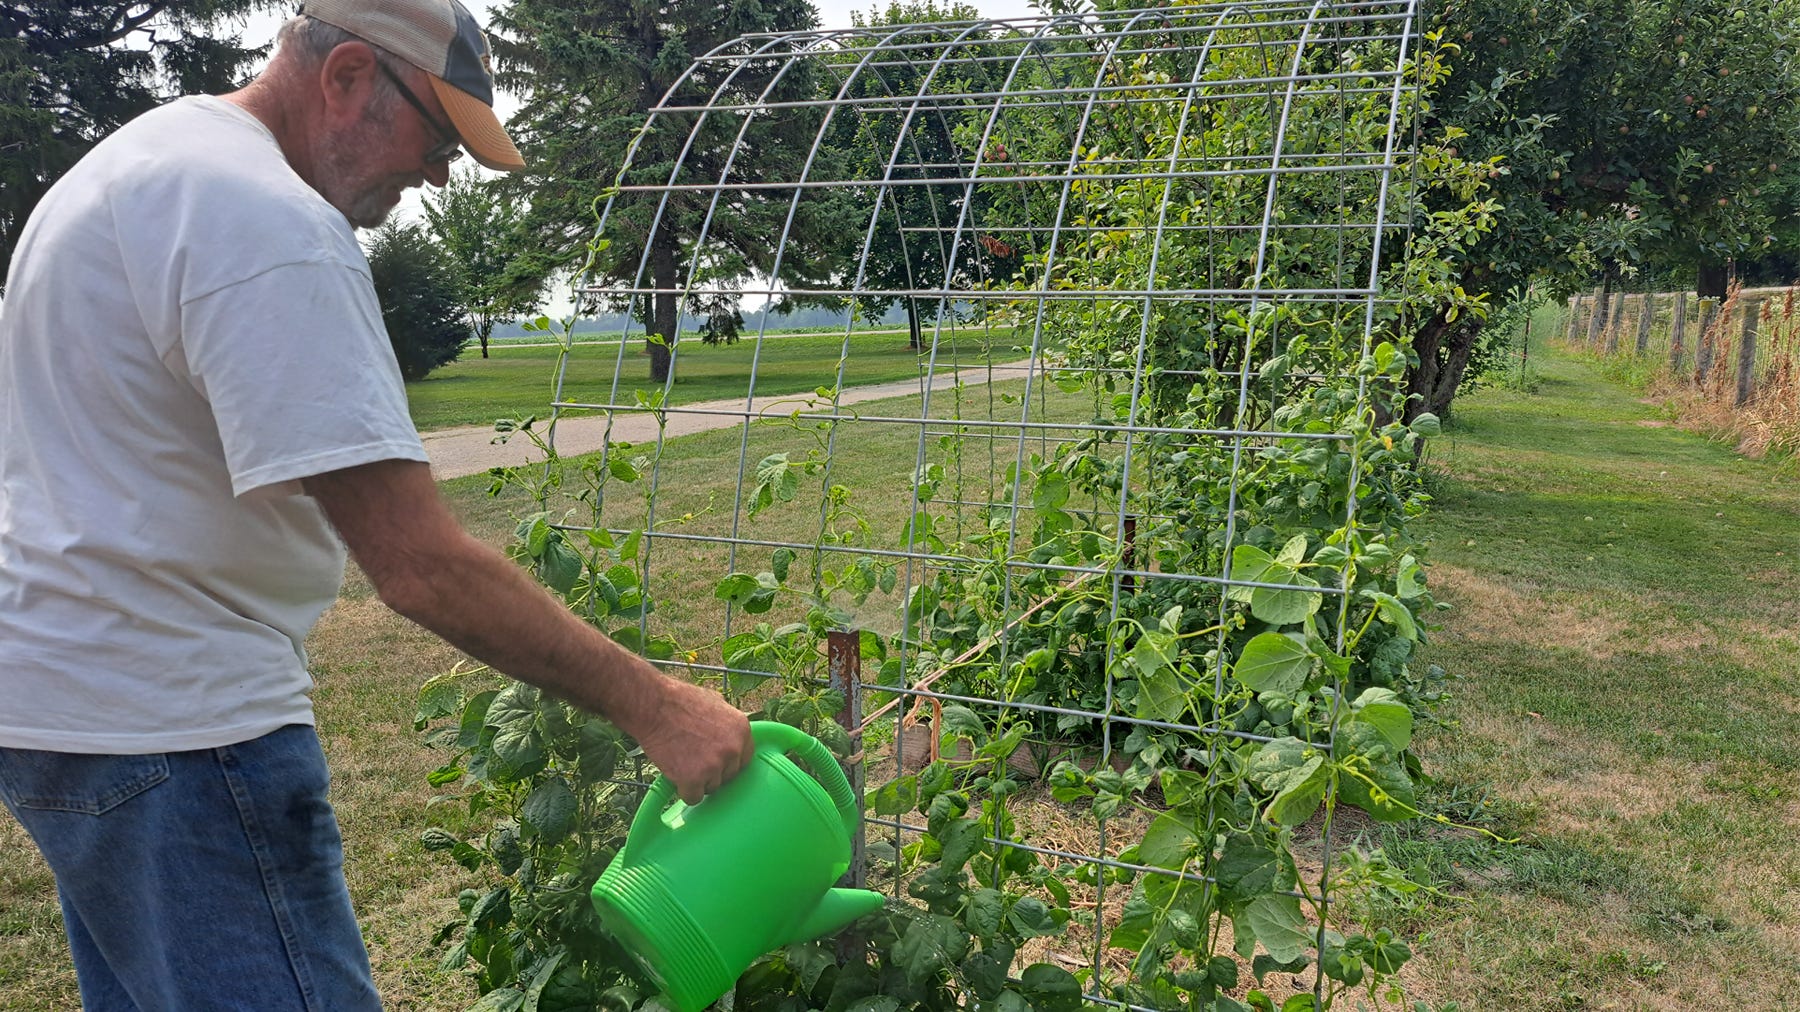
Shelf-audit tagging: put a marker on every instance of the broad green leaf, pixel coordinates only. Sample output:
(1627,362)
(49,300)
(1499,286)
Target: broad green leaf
(984,974)
(1248,562)
(897,796)
(1170,842)
(1295,773)
(1161,695)
(1382,709)
(963,721)
(931,944)
(501,999)
(960,840)
(1294,552)
(560,568)
(985,911)
(1273,662)
(1410,583)
(439,697)
(1397,614)
(540,977)
(1031,918)
(1247,869)
(550,809)
(1284,607)
(875,1003)
(513,717)
(1051,988)
(1278,924)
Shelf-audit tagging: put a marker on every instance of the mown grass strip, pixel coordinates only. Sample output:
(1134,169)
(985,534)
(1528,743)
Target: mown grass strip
(1622,597)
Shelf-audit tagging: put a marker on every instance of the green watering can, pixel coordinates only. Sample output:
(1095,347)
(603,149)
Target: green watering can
(699,892)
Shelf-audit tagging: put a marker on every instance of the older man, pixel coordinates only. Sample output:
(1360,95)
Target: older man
(197,402)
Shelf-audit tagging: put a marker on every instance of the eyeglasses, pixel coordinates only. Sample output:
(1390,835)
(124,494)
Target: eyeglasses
(449,148)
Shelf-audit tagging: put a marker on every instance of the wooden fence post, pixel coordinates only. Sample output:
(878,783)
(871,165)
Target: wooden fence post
(1703,356)
(1615,322)
(1574,313)
(1677,332)
(1645,314)
(1597,318)
(1746,377)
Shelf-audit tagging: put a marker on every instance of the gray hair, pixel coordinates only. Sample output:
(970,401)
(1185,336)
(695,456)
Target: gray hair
(311,40)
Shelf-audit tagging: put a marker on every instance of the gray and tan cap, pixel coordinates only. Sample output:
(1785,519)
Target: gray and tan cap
(441,38)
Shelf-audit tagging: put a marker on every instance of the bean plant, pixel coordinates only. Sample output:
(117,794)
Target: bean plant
(1258,675)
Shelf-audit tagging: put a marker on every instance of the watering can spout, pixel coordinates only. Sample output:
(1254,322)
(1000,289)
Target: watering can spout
(836,909)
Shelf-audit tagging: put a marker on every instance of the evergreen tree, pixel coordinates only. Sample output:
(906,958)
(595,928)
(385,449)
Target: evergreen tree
(419,288)
(72,71)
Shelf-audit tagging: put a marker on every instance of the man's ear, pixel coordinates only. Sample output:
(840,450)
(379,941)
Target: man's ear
(347,82)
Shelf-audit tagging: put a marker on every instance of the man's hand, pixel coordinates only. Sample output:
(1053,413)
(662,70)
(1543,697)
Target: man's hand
(697,740)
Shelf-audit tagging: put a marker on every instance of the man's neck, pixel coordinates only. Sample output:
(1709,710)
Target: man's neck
(263,99)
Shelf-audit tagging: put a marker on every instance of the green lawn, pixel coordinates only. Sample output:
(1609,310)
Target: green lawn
(517,381)
(1624,616)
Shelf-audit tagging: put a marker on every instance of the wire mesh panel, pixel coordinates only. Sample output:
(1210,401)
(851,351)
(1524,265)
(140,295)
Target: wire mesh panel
(1061,540)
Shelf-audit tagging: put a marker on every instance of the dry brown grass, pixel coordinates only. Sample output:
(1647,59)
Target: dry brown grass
(1519,611)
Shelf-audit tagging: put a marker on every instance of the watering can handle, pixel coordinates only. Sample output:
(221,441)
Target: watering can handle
(650,812)
(769,736)
(774,736)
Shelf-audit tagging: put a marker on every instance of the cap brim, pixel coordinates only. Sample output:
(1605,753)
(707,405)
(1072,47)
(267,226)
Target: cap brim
(480,130)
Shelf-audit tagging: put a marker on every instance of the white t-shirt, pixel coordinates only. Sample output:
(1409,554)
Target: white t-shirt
(189,329)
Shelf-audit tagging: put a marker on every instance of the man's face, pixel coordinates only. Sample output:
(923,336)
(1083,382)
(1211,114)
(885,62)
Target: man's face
(364,167)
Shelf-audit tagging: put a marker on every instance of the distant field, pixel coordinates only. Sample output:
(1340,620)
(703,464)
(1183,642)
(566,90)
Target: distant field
(518,381)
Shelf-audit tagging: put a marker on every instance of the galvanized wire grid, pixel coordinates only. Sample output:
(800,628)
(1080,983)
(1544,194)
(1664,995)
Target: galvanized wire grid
(1056,82)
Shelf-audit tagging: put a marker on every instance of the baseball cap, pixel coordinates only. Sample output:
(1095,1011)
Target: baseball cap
(441,38)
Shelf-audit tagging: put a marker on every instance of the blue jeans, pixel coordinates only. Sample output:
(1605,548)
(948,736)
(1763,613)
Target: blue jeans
(202,880)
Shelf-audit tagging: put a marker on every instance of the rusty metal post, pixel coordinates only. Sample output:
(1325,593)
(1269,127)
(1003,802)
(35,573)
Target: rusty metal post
(843,665)
(1746,376)
(1128,582)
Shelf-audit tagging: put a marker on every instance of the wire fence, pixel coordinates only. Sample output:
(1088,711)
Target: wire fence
(1146,259)
(1731,361)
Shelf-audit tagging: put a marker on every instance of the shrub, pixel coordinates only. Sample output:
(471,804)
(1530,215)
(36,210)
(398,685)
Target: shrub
(419,289)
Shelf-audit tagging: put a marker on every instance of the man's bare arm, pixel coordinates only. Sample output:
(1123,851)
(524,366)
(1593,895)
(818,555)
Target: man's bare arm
(427,568)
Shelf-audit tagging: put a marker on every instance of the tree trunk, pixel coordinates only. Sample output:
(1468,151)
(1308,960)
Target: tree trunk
(1443,349)
(914,341)
(667,317)
(482,332)
(1602,302)
(1712,279)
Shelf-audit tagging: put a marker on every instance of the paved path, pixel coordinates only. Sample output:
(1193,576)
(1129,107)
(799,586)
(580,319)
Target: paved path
(471,449)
